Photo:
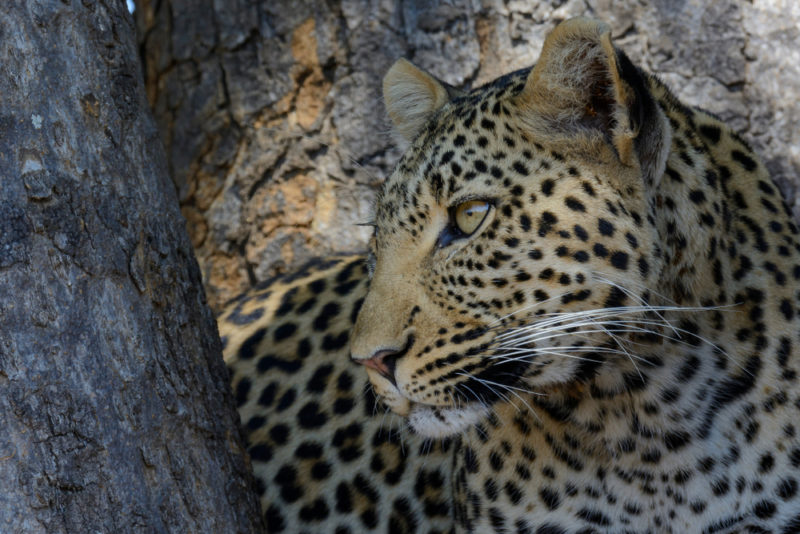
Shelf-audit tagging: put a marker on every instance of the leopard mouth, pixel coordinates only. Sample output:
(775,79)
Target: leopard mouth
(443,419)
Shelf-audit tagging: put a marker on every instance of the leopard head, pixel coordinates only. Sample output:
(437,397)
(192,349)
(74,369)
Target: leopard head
(511,231)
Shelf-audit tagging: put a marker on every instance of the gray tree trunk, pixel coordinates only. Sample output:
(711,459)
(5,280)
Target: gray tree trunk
(114,407)
(273,121)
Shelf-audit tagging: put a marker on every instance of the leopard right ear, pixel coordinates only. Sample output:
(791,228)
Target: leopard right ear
(411,96)
(587,93)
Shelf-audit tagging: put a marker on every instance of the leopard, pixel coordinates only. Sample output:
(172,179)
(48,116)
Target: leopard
(578,313)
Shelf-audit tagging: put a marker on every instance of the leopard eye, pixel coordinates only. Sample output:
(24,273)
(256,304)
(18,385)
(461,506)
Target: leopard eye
(469,215)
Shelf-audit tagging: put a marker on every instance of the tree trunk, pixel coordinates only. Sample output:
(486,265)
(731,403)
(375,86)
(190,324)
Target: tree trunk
(114,406)
(272,116)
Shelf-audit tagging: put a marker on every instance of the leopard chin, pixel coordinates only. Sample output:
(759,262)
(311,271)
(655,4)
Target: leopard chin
(427,420)
(442,422)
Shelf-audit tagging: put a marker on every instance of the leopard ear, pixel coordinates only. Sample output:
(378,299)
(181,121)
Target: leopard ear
(412,96)
(587,92)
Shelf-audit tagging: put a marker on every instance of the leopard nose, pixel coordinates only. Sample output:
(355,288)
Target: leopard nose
(384,362)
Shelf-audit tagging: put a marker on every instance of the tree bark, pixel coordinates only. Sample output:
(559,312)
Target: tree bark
(114,405)
(272,116)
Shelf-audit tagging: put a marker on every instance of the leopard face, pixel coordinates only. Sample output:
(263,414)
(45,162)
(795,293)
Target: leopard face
(507,231)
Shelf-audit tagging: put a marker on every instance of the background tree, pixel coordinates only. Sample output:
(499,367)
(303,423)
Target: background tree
(273,122)
(114,406)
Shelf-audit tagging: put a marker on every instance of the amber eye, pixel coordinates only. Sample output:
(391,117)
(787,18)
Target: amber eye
(469,215)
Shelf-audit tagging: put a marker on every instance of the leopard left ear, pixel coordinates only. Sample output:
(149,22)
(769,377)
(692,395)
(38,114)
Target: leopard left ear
(587,92)
(412,96)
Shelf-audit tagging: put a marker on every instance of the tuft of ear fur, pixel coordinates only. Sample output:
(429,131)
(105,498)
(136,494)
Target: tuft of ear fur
(411,96)
(586,91)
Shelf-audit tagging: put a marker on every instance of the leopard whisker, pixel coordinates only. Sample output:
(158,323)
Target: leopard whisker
(634,326)
(556,317)
(523,353)
(525,308)
(532,352)
(491,385)
(505,386)
(478,399)
(561,320)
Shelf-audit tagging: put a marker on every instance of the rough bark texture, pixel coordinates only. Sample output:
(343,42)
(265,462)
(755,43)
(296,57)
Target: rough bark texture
(114,406)
(272,117)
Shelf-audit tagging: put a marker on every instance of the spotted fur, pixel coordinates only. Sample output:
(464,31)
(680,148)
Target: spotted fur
(613,349)
(326,457)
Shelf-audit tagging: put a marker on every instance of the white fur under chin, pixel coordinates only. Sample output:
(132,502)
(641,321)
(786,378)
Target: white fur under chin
(439,422)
